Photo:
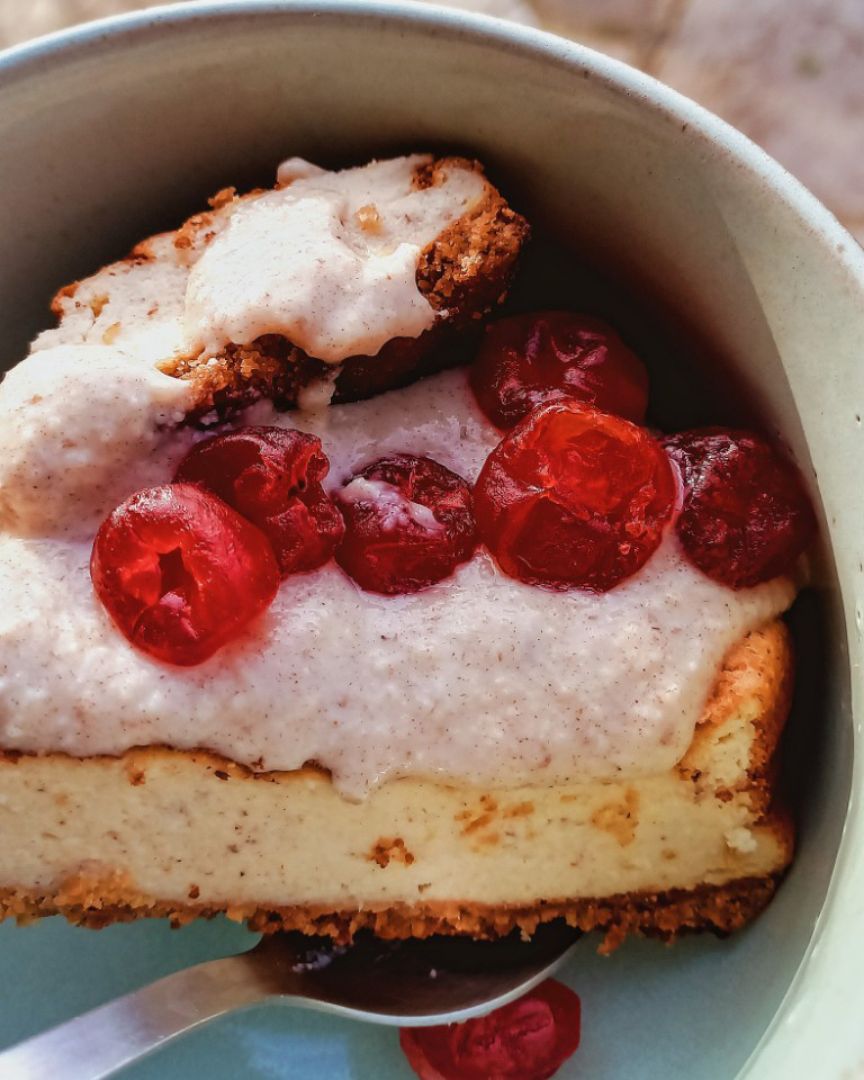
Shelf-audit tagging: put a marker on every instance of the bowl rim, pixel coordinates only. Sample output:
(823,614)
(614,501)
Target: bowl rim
(818,1018)
(441,21)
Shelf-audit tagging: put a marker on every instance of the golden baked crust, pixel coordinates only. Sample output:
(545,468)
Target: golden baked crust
(464,273)
(98,901)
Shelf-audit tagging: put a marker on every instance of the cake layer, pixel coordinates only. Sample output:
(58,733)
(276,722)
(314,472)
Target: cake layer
(160,831)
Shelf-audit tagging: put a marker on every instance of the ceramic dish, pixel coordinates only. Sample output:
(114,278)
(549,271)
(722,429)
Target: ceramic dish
(115,130)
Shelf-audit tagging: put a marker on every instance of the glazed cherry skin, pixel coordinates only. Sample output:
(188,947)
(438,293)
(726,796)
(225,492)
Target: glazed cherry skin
(181,573)
(535,359)
(745,517)
(574,498)
(409,522)
(528,1039)
(274,478)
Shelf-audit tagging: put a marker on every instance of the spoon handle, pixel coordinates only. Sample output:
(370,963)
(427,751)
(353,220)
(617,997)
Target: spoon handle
(101,1041)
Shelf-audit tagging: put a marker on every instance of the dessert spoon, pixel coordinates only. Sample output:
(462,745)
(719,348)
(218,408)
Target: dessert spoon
(405,984)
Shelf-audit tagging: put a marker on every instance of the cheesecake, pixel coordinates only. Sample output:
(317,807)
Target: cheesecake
(188,833)
(402,702)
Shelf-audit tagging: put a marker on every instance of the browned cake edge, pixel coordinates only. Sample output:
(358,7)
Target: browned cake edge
(96,902)
(760,667)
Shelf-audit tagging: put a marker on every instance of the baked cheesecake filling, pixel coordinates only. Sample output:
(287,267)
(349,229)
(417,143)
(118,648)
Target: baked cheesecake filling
(480,679)
(328,261)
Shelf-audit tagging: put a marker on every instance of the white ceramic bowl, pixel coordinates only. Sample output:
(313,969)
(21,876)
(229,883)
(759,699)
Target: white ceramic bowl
(114,130)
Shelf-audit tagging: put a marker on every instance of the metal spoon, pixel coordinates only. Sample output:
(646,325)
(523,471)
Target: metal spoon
(405,984)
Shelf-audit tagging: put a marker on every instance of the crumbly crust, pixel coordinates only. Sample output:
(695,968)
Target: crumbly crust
(464,273)
(97,901)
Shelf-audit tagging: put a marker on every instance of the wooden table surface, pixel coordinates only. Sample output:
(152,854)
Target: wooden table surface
(789,73)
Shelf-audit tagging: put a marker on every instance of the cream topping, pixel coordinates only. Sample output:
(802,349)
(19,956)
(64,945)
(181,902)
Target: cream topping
(396,508)
(480,679)
(82,427)
(329,260)
(296,168)
(317,394)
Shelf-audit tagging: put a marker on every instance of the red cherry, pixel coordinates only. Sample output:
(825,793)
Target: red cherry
(408,523)
(535,359)
(273,478)
(746,517)
(528,1039)
(180,572)
(574,497)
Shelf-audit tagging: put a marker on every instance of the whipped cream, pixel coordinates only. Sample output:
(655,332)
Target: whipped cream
(395,508)
(480,679)
(81,427)
(329,260)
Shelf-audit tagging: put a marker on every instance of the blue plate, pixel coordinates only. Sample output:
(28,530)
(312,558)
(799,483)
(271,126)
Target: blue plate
(52,971)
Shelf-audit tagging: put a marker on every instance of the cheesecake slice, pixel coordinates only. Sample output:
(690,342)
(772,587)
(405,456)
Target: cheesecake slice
(182,834)
(474,757)
(424,722)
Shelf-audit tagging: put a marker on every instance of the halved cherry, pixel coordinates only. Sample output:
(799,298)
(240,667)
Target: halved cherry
(408,523)
(573,497)
(746,517)
(273,478)
(181,573)
(530,360)
(528,1039)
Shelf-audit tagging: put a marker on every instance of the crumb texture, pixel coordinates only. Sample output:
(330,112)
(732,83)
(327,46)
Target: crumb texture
(723,909)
